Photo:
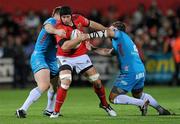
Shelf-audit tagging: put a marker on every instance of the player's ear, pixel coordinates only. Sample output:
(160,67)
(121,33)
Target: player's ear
(119,25)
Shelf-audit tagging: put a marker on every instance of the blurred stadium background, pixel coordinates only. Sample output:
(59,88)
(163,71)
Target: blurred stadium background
(154,26)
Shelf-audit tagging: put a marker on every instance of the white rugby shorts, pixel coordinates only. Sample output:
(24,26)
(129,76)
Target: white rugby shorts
(78,63)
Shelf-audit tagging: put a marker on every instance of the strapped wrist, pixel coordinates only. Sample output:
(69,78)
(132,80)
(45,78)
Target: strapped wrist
(98,34)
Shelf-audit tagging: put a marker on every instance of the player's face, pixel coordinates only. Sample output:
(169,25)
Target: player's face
(66,19)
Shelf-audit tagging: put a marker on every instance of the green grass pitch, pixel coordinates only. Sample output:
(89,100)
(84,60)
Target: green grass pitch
(81,107)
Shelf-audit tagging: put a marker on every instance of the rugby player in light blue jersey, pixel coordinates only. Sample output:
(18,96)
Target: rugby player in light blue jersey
(132,71)
(44,64)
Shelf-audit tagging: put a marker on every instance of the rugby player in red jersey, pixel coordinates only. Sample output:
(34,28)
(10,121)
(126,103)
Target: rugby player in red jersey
(72,55)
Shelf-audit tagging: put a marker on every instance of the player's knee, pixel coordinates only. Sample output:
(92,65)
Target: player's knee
(43,87)
(137,93)
(65,77)
(65,80)
(94,77)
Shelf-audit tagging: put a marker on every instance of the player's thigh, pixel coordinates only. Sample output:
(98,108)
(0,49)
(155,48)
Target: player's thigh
(42,77)
(138,88)
(54,74)
(90,71)
(125,82)
(139,83)
(54,68)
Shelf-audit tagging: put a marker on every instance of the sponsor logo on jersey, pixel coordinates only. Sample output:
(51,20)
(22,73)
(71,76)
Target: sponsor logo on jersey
(123,82)
(140,75)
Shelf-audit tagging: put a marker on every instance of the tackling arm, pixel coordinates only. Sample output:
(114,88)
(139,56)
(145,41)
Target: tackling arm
(52,30)
(96,26)
(104,51)
(102,34)
(70,44)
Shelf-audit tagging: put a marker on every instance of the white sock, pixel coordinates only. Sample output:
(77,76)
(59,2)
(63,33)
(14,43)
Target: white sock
(51,100)
(125,99)
(33,96)
(152,101)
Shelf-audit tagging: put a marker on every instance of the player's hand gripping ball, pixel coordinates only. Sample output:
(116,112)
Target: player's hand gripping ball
(75,33)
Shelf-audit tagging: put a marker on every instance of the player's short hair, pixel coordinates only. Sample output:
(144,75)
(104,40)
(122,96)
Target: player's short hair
(65,10)
(119,25)
(56,10)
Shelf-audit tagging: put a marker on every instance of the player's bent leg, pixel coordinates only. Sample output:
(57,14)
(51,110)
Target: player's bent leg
(138,93)
(66,79)
(118,96)
(42,78)
(99,89)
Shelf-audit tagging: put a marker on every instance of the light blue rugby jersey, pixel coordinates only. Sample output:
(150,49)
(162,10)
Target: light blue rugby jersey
(127,53)
(46,44)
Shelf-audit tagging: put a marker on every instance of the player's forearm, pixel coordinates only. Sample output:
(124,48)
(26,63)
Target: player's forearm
(50,29)
(103,51)
(102,34)
(96,26)
(70,44)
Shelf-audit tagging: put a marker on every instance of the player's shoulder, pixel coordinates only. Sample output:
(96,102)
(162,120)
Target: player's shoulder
(77,16)
(50,20)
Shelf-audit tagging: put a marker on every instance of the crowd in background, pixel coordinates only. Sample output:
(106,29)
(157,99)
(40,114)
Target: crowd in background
(152,31)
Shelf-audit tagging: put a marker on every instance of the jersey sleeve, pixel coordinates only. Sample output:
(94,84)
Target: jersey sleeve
(84,21)
(51,21)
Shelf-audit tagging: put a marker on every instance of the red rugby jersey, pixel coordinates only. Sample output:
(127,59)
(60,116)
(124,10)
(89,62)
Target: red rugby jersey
(79,22)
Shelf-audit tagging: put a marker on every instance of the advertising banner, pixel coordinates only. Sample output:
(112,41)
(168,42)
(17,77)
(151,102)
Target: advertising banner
(6,70)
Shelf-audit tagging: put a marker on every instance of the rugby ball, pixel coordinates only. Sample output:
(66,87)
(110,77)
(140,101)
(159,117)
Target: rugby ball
(74,35)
